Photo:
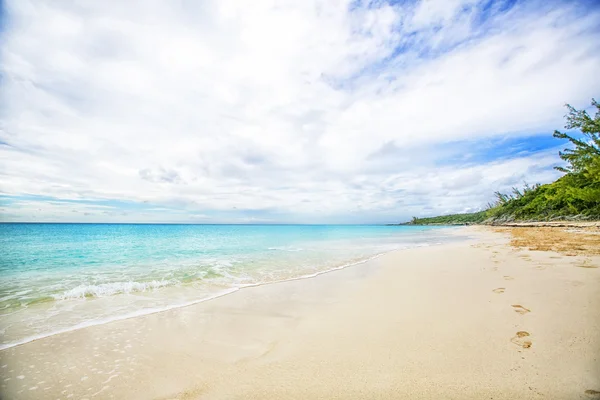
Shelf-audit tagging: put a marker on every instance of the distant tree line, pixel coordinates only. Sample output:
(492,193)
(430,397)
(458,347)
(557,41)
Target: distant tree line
(574,196)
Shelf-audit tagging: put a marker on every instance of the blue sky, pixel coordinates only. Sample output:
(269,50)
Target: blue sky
(283,112)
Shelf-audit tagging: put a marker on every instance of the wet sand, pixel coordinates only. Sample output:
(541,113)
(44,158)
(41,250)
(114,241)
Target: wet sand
(470,320)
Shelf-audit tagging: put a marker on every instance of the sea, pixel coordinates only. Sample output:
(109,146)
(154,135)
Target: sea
(60,277)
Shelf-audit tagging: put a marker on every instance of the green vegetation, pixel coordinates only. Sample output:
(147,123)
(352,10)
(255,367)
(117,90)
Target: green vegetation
(574,196)
(454,219)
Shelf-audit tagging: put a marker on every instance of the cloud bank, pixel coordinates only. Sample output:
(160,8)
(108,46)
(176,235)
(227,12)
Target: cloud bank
(283,111)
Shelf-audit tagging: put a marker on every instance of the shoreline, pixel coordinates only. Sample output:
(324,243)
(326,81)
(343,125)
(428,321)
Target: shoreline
(436,321)
(551,224)
(524,224)
(228,291)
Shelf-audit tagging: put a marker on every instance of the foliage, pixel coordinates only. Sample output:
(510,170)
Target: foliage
(455,219)
(586,152)
(576,195)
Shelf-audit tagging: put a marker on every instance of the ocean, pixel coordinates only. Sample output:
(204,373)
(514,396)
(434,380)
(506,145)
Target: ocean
(59,277)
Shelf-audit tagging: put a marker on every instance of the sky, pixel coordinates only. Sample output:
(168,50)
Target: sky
(279,111)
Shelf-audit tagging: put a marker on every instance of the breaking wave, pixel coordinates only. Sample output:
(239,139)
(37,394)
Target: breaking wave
(112,288)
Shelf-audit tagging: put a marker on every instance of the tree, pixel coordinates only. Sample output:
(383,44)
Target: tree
(580,188)
(577,193)
(585,156)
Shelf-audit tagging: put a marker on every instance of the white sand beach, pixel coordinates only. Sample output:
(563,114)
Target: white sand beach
(477,319)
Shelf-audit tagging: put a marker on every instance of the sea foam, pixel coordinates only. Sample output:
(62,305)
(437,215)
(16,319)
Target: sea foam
(176,265)
(110,289)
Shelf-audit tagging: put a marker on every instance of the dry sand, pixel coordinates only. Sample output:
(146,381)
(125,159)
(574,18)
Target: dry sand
(570,240)
(473,320)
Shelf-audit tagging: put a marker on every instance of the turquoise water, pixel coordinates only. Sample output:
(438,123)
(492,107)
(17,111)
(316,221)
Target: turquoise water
(57,277)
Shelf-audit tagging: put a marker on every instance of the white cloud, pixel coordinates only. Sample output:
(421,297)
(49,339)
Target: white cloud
(227,106)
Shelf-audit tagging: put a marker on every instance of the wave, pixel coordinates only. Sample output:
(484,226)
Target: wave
(109,289)
(112,288)
(286,248)
(102,321)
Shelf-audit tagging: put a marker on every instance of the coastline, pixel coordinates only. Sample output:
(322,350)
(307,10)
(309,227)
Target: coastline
(208,297)
(524,224)
(56,278)
(436,321)
(555,224)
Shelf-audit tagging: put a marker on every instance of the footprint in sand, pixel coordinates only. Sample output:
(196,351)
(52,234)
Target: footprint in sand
(520,309)
(540,267)
(499,290)
(520,339)
(508,278)
(587,263)
(593,393)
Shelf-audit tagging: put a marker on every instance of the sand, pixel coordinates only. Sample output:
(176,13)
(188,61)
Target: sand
(478,319)
(569,240)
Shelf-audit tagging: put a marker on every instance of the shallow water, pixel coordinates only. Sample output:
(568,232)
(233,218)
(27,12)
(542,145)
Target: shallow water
(58,277)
